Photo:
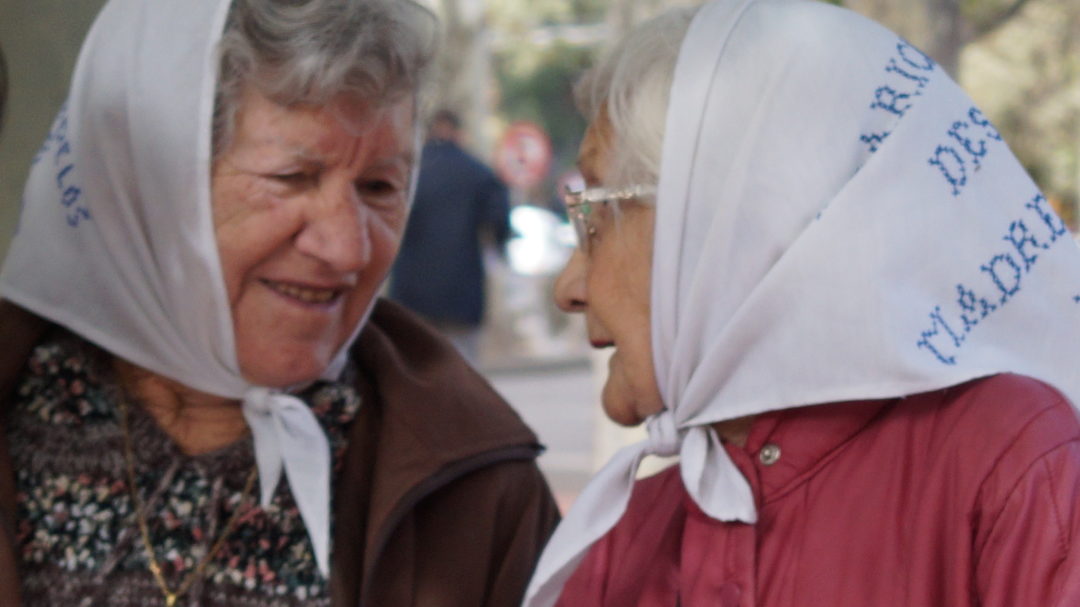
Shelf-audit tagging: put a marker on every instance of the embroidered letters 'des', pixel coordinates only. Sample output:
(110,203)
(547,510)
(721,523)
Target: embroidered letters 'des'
(953,157)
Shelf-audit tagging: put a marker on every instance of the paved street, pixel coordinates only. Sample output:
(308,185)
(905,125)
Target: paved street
(561,403)
(558,402)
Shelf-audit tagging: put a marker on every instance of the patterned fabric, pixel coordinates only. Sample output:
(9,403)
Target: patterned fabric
(76,527)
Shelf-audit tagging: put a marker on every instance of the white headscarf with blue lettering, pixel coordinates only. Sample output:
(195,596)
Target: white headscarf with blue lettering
(116,238)
(835,221)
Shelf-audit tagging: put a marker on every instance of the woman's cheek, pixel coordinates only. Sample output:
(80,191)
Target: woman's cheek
(389,228)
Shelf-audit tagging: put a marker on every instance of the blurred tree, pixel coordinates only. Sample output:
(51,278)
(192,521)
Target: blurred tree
(941,28)
(1026,76)
(623,15)
(543,94)
(505,60)
(541,50)
(522,17)
(463,67)
(1020,60)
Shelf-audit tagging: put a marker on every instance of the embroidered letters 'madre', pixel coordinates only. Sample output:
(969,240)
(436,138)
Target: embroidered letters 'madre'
(998,281)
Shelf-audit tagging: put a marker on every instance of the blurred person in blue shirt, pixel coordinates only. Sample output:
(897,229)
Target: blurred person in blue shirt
(460,204)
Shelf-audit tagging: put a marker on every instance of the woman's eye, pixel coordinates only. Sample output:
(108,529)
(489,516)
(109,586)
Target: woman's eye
(379,189)
(296,178)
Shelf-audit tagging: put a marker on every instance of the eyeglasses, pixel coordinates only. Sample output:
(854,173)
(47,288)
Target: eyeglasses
(579,206)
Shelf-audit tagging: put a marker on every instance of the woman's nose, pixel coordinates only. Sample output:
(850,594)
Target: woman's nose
(337,232)
(570,285)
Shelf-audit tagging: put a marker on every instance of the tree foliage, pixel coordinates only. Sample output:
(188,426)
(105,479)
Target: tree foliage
(543,93)
(1020,59)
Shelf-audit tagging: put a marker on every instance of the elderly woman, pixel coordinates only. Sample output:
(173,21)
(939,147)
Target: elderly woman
(205,403)
(830,288)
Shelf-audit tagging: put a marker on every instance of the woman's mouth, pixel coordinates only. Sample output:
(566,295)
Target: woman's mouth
(600,344)
(304,293)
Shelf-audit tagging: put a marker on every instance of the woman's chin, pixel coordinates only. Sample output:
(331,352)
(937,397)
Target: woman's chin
(271,374)
(628,402)
(619,408)
(284,361)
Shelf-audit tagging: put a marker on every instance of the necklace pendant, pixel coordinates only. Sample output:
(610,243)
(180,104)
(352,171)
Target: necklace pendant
(155,569)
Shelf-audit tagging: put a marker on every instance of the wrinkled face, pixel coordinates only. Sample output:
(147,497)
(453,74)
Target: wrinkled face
(309,205)
(610,286)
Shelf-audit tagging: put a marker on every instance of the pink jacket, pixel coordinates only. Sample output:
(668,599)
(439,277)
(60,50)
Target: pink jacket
(968,496)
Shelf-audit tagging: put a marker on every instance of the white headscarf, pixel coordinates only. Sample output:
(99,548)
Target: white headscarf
(116,238)
(835,221)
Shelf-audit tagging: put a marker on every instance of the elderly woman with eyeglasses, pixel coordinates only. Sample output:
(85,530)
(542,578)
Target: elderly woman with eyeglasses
(833,292)
(205,404)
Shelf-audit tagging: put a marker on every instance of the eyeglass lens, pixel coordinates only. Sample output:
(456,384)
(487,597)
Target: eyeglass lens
(579,216)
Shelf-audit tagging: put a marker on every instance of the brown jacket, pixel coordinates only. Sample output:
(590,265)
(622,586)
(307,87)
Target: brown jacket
(440,502)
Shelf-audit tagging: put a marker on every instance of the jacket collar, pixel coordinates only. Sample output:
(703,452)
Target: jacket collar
(436,414)
(784,448)
(427,419)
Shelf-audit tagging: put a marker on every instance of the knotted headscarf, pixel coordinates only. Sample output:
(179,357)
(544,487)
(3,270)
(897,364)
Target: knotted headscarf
(835,220)
(116,238)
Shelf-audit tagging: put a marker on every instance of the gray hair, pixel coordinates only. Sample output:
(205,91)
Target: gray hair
(632,84)
(312,51)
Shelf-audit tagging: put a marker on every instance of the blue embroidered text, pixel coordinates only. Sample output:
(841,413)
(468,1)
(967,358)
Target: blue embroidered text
(952,158)
(908,74)
(57,143)
(1002,277)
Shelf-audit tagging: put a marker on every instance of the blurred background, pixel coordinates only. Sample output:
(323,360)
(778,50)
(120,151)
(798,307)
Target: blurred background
(507,68)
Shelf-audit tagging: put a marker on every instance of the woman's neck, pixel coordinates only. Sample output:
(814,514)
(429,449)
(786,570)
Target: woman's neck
(735,431)
(198,422)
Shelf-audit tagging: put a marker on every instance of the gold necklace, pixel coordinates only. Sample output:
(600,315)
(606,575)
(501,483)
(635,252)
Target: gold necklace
(171,595)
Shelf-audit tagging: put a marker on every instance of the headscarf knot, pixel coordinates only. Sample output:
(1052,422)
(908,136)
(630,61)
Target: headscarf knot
(664,437)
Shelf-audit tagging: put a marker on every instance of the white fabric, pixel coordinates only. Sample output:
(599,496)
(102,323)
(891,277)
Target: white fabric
(831,208)
(116,237)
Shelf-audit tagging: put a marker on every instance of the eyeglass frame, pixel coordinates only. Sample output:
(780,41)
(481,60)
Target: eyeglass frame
(579,206)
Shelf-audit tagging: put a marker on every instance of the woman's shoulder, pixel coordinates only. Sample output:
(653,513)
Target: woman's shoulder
(999,425)
(65,381)
(1022,436)
(1002,407)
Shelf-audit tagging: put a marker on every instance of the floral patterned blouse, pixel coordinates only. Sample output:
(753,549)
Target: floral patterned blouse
(78,536)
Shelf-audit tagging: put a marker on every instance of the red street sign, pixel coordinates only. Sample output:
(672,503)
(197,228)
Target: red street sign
(523,155)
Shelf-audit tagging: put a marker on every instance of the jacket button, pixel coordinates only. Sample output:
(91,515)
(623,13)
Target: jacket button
(730,595)
(769,454)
